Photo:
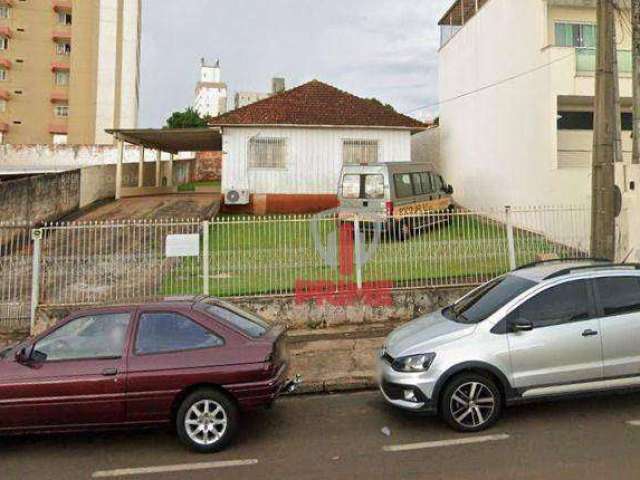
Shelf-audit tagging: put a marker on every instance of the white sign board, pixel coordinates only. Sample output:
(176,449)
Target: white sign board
(182,245)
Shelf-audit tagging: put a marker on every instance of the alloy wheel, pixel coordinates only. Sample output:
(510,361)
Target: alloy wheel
(205,422)
(472,404)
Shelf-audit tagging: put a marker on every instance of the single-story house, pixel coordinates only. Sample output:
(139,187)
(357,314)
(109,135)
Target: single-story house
(284,154)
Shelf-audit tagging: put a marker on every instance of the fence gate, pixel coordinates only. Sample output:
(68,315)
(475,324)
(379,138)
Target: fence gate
(15,276)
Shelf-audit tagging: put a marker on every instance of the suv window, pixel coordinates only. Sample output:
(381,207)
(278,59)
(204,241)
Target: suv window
(619,295)
(89,337)
(565,303)
(171,332)
(438,184)
(417,184)
(426,183)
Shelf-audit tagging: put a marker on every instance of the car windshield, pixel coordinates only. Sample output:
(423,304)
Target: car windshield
(479,305)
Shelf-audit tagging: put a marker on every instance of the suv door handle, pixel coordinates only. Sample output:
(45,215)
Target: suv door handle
(589,333)
(110,372)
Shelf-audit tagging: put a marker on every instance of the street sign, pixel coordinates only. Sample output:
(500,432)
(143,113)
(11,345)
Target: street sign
(182,245)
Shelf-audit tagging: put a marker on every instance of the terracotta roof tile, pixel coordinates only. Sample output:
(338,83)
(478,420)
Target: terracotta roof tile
(317,104)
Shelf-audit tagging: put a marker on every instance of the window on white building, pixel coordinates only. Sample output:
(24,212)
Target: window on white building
(61,111)
(3,74)
(4,43)
(4,11)
(62,77)
(59,139)
(64,18)
(359,151)
(268,152)
(63,48)
(580,35)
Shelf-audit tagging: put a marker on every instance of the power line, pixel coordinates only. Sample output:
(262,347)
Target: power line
(492,85)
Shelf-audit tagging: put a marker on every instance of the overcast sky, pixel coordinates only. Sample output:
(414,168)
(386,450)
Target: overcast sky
(372,48)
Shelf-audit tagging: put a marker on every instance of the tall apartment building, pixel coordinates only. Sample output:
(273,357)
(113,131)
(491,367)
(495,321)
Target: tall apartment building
(211,91)
(69,69)
(517,85)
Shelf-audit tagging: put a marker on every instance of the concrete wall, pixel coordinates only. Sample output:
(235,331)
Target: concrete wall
(425,147)
(97,183)
(314,158)
(40,198)
(405,305)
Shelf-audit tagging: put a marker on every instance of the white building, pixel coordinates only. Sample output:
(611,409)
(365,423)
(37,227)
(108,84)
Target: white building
(285,153)
(242,99)
(517,82)
(211,91)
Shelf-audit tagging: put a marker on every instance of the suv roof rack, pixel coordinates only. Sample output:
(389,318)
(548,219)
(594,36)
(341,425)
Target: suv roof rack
(616,266)
(571,259)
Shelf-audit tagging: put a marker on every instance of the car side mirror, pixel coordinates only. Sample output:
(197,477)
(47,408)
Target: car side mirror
(448,190)
(23,355)
(521,325)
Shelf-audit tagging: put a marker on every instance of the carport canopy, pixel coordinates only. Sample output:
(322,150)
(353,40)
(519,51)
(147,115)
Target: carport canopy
(172,140)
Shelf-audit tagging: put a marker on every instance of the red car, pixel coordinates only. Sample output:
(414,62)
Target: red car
(193,363)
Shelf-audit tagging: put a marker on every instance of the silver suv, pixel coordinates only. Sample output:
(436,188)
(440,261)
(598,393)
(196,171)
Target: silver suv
(550,329)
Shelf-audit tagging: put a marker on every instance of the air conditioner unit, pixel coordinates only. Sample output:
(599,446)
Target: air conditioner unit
(236,197)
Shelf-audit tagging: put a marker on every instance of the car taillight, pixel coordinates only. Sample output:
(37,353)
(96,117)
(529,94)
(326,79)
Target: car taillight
(389,208)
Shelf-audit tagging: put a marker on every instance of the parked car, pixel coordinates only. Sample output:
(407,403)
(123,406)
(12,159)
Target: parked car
(195,364)
(548,330)
(394,195)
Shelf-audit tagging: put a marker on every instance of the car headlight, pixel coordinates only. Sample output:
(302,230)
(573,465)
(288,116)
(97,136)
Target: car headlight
(414,363)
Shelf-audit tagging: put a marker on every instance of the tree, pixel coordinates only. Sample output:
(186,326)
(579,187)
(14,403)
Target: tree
(187,119)
(385,105)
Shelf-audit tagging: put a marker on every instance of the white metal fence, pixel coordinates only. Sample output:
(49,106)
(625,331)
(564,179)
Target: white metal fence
(93,263)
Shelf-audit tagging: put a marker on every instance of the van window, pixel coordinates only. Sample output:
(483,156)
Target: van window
(426,183)
(373,186)
(402,182)
(363,186)
(438,184)
(351,186)
(417,184)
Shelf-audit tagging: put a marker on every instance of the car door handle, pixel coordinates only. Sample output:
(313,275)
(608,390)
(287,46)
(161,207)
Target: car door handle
(110,372)
(589,333)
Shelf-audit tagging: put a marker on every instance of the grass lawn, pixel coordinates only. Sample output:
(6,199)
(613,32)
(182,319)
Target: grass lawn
(253,256)
(191,187)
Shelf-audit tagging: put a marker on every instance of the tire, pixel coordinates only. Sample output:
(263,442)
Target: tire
(464,415)
(211,433)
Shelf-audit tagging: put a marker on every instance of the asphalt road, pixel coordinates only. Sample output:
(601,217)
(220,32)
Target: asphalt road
(340,437)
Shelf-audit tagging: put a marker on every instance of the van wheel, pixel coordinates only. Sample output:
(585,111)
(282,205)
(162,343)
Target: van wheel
(207,420)
(471,403)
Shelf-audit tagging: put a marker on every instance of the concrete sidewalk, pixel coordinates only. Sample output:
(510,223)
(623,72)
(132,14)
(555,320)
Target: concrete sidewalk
(336,359)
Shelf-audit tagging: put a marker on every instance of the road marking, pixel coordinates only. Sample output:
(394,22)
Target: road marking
(634,423)
(445,443)
(125,472)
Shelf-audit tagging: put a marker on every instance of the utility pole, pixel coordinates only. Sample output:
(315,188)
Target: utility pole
(635,56)
(607,149)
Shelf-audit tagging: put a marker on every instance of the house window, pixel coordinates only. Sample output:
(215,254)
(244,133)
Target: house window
(581,35)
(63,48)
(59,139)
(268,153)
(62,77)
(357,152)
(61,111)
(3,74)
(64,18)
(4,43)
(3,105)
(585,121)
(4,11)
